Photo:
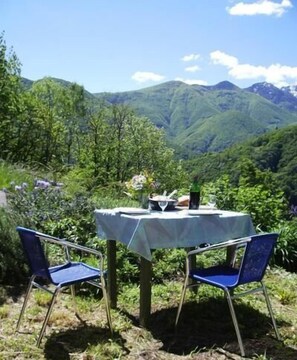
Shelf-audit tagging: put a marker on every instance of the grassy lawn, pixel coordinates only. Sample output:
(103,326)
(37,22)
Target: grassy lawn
(205,329)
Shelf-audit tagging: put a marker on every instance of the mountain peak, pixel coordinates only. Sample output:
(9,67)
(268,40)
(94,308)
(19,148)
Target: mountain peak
(283,97)
(223,85)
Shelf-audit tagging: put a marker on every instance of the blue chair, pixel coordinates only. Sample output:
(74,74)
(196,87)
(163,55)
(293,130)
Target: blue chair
(60,276)
(257,251)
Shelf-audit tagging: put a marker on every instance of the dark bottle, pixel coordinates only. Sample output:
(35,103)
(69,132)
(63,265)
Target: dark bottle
(194,194)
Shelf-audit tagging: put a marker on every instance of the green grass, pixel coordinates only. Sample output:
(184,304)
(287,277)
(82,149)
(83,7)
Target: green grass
(205,330)
(15,174)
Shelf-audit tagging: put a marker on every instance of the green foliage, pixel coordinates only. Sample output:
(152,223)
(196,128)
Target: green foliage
(53,211)
(63,214)
(12,264)
(199,118)
(286,251)
(11,175)
(271,156)
(168,264)
(134,145)
(9,95)
(265,207)
(265,203)
(54,124)
(214,134)
(224,191)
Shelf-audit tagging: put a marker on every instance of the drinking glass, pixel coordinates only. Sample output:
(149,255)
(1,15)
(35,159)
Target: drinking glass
(212,200)
(163,204)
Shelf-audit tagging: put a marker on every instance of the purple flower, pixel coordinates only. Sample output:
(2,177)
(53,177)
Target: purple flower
(42,184)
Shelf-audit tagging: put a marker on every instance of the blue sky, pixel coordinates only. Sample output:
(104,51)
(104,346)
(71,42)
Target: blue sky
(121,45)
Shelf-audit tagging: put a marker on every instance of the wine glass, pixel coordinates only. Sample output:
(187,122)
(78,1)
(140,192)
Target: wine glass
(212,200)
(163,204)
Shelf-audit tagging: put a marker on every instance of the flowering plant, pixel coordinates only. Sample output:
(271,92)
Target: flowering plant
(141,185)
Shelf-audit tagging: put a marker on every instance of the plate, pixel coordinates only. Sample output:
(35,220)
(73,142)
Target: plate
(131,210)
(201,207)
(203,212)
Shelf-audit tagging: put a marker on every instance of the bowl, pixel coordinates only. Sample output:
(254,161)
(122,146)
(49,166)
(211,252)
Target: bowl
(155,206)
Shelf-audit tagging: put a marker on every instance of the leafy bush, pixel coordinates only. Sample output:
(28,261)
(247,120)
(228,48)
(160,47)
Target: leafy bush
(266,205)
(286,250)
(12,262)
(168,264)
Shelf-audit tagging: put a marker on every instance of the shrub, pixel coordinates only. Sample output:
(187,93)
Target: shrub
(52,211)
(12,263)
(286,249)
(267,206)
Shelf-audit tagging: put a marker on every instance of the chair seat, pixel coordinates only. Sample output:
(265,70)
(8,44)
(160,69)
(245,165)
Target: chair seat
(73,272)
(220,276)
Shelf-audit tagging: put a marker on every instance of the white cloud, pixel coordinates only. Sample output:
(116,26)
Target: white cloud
(218,57)
(190,57)
(144,76)
(279,75)
(260,7)
(192,68)
(191,81)
(246,71)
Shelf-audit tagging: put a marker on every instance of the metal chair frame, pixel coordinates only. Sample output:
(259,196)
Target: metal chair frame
(67,246)
(190,282)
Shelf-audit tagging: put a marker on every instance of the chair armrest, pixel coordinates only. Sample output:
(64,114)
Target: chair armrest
(225,244)
(67,244)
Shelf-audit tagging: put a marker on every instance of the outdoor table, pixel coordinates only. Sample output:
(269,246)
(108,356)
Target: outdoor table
(143,231)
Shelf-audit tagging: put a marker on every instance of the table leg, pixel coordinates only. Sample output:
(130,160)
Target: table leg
(231,255)
(192,259)
(145,291)
(112,274)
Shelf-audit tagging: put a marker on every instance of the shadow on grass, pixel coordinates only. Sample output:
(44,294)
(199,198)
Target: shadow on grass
(11,292)
(208,324)
(61,345)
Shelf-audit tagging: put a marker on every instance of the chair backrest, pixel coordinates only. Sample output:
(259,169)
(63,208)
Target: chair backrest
(256,257)
(34,252)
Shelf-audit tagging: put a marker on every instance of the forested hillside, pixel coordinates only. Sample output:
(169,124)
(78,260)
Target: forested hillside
(200,119)
(275,151)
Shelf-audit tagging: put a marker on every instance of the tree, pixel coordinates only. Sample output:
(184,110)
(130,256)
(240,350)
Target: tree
(26,132)
(120,116)
(118,144)
(73,114)
(51,109)
(95,147)
(9,95)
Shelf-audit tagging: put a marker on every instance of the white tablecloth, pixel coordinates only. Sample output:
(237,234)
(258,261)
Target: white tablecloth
(173,229)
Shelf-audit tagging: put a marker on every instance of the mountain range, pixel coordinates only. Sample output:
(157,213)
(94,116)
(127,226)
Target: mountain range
(199,119)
